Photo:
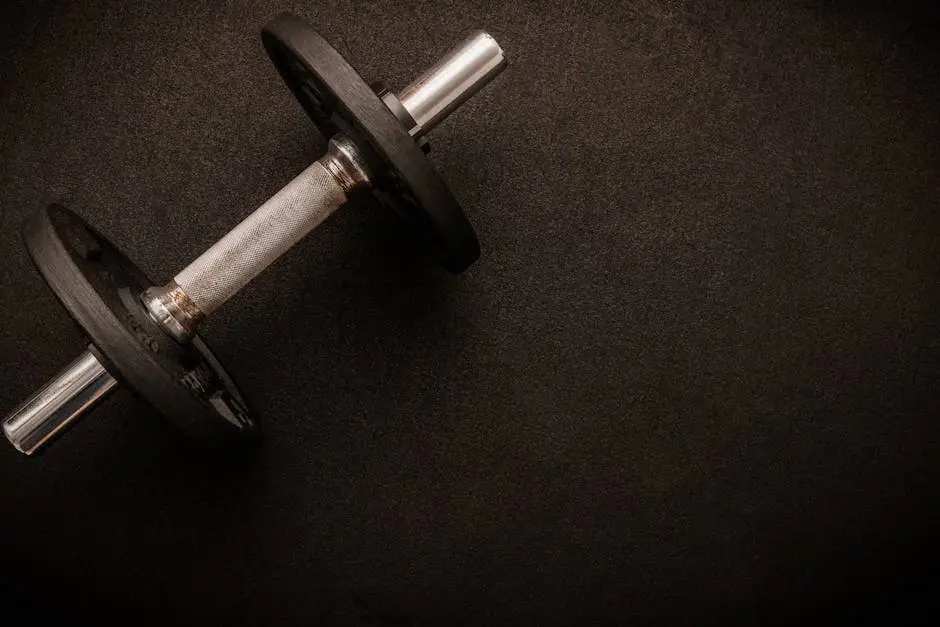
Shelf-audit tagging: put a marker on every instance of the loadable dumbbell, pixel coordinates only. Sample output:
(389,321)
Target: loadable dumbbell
(143,334)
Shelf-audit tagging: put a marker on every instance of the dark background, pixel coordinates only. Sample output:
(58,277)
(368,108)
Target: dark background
(692,378)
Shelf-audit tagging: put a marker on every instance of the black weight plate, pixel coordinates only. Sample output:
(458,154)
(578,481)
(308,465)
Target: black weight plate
(339,101)
(100,289)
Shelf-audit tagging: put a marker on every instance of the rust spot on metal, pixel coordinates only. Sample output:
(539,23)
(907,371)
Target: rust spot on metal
(184,304)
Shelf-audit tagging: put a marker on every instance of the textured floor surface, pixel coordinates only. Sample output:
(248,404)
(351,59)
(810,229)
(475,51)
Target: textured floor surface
(693,378)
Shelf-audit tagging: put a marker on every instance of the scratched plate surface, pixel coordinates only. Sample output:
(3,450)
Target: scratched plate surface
(338,100)
(100,288)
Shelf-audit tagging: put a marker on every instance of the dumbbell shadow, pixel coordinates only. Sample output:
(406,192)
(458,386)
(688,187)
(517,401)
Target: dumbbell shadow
(364,305)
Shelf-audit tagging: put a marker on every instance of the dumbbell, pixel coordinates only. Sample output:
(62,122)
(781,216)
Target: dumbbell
(143,334)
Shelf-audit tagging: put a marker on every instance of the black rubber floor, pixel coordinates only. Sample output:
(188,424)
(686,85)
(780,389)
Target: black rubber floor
(693,378)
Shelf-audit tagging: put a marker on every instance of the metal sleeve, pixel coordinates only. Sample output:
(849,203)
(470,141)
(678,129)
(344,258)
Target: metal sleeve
(261,238)
(59,404)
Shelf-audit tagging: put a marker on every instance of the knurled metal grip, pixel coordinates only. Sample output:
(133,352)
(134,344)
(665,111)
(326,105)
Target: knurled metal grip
(244,252)
(278,224)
